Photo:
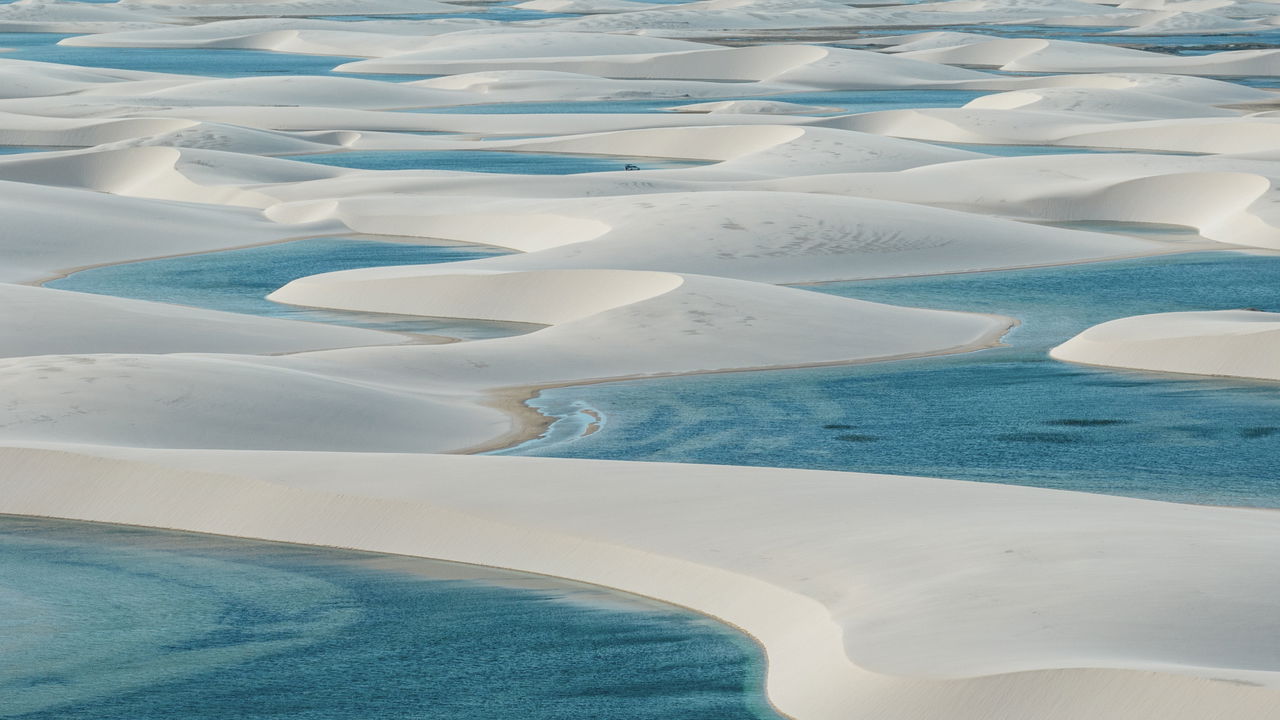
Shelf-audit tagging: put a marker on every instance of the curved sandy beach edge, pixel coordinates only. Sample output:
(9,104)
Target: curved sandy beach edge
(613,537)
(528,423)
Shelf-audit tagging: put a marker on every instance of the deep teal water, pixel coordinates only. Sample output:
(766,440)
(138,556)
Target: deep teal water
(101,622)
(240,280)
(1007,415)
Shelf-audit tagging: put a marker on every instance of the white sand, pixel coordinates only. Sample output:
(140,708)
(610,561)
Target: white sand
(875,597)
(775,237)
(43,321)
(604,324)
(1233,343)
(42,239)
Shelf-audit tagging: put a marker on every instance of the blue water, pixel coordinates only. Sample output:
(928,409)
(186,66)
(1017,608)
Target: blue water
(102,622)
(239,281)
(1008,415)
(43,47)
(488,161)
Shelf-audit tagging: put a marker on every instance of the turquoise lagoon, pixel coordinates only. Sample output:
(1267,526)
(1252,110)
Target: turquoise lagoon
(239,281)
(1007,415)
(208,62)
(103,622)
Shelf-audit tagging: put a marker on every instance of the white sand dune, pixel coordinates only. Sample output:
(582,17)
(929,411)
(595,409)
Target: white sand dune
(762,107)
(758,150)
(17,129)
(26,78)
(313,91)
(541,43)
(1227,199)
(140,172)
(1188,88)
(765,237)
(1040,55)
(1204,131)
(701,324)
(586,7)
(57,16)
(441,39)
(41,239)
(43,321)
(734,18)
(504,86)
(310,36)
(428,398)
(1187,23)
(247,141)
(278,8)
(473,125)
(1099,101)
(551,297)
(1234,343)
(242,99)
(225,400)
(800,65)
(875,596)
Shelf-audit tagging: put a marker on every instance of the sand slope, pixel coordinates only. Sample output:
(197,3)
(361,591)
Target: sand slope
(416,398)
(40,239)
(767,237)
(1234,343)
(43,321)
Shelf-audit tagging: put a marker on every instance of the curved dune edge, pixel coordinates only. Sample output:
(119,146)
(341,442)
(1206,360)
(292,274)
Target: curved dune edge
(609,324)
(46,321)
(637,527)
(529,424)
(772,237)
(1224,343)
(545,297)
